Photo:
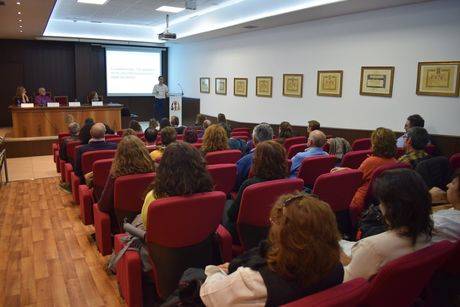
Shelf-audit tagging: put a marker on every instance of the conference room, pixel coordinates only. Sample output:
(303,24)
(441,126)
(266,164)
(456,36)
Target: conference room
(229,153)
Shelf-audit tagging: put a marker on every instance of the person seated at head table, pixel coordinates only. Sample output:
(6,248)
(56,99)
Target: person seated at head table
(300,257)
(21,96)
(42,98)
(132,157)
(93,96)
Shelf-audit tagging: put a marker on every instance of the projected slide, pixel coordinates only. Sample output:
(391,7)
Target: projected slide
(132,72)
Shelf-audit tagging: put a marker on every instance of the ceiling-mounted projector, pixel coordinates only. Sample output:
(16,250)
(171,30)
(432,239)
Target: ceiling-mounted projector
(166,35)
(190,4)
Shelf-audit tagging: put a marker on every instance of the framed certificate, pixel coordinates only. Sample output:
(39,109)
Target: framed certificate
(438,78)
(240,87)
(292,85)
(221,86)
(264,86)
(329,83)
(377,81)
(205,84)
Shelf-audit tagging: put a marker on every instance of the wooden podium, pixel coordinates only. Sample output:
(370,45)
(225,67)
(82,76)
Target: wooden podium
(49,121)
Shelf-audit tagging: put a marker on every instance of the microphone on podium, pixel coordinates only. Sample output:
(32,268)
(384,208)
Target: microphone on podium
(182,90)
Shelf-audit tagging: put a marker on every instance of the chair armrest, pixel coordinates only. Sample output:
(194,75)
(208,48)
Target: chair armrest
(103,231)
(86,204)
(225,243)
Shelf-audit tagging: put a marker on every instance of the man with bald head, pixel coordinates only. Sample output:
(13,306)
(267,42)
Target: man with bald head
(316,141)
(97,142)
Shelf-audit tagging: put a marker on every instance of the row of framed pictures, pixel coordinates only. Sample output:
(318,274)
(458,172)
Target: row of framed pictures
(433,79)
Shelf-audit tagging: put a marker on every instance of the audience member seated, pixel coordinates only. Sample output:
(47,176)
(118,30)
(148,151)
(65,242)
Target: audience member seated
(411,122)
(338,147)
(200,118)
(405,204)
(190,135)
(150,135)
(237,143)
(383,152)
(168,136)
(97,142)
(134,124)
(93,96)
(164,122)
(416,141)
(301,257)
(132,157)
(175,124)
(261,133)
(315,143)
(182,171)
(108,130)
(74,129)
(42,98)
(215,139)
(269,164)
(205,126)
(127,132)
(221,120)
(285,132)
(447,221)
(153,123)
(85,134)
(312,126)
(21,96)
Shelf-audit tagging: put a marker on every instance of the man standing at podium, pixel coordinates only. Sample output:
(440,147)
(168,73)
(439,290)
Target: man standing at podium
(160,91)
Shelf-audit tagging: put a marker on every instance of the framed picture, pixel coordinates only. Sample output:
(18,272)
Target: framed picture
(264,86)
(292,85)
(205,85)
(438,78)
(329,83)
(240,87)
(377,81)
(221,86)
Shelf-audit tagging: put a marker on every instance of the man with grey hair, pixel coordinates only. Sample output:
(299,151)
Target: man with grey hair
(74,129)
(261,133)
(315,143)
(97,142)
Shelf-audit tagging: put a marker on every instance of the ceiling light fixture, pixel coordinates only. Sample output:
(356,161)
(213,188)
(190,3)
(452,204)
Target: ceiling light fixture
(97,2)
(18,3)
(20,26)
(170,9)
(19,13)
(20,20)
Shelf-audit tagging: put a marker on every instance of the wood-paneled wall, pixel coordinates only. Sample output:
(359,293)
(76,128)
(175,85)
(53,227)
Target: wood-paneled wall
(65,68)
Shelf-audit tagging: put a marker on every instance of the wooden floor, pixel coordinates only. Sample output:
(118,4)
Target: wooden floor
(46,258)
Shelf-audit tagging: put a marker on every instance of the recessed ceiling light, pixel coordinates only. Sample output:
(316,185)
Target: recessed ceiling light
(170,9)
(18,3)
(20,20)
(20,31)
(20,26)
(19,13)
(98,2)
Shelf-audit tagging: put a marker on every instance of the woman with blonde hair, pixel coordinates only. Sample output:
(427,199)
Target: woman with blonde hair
(21,96)
(214,139)
(301,257)
(132,157)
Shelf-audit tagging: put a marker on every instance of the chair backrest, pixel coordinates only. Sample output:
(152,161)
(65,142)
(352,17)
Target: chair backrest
(337,189)
(241,137)
(434,171)
(89,157)
(451,265)
(179,236)
(348,294)
(223,156)
(223,176)
(114,139)
(294,140)
(62,135)
(241,130)
(63,100)
(128,195)
(70,148)
(361,144)
(256,203)
(179,137)
(295,149)
(101,170)
(377,172)
(197,145)
(236,134)
(401,281)
(353,159)
(455,161)
(313,167)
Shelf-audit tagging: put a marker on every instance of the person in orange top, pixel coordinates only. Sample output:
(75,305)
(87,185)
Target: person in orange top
(383,152)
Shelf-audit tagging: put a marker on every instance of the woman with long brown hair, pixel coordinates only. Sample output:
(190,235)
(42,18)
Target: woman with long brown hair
(269,164)
(285,132)
(21,96)
(301,257)
(132,157)
(182,171)
(214,139)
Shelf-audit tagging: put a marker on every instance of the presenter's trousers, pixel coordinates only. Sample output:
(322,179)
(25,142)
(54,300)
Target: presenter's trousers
(160,108)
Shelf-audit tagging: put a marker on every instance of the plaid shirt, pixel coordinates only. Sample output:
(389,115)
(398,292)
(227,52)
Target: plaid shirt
(413,156)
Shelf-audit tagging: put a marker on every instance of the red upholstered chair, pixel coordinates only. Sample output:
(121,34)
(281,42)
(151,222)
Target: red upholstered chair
(294,140)
(63,100)
(452,265)
(337,189)
(313,167)
(87,160)
(101,170)
(399,152)
(129,193)
(295,149)
(68,165)
(197,145)
(115,139)
(257,200)
(455,161)
(241,130)
(361,144)
(223,176)
(349,294)
(223,156)
(239,133)
(180,235)
(353,159)
(401,281)
(241,137)
(179,137)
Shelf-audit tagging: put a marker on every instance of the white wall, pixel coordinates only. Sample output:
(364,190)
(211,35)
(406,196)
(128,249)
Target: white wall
(399,37)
